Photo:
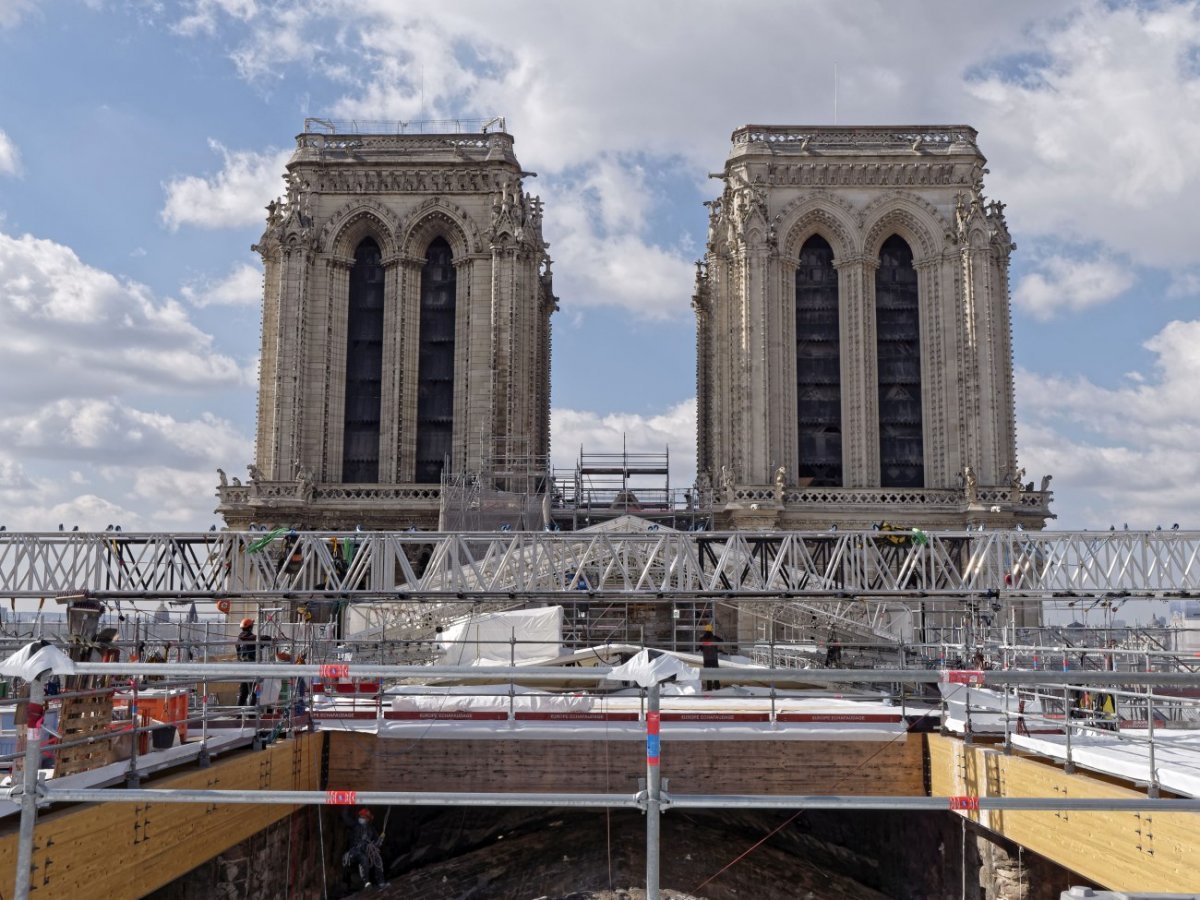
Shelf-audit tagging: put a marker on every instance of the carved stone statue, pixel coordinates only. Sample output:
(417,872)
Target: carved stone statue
(304,479)
(255,472)
(1045,483)
(237,482)
(970,485)
(221,476)
(727,483)
(780,483)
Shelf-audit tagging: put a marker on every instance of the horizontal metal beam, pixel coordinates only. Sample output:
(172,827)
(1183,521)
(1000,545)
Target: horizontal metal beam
(593,675)
(49,794)
(646,563)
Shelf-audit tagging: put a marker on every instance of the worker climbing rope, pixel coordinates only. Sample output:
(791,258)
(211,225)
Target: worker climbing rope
(364,851)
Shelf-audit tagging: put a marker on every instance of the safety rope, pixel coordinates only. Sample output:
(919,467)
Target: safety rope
(799,812)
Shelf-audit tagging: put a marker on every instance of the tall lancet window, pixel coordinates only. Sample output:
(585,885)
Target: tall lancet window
(435,368)
(818,366)
(897,324)
(364,366)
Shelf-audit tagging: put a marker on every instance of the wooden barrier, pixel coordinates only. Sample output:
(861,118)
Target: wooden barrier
(112,850)
(364,762)
(1124,851)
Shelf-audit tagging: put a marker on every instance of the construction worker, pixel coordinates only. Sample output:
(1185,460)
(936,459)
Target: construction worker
(364,851)
(247,651)
(709,649)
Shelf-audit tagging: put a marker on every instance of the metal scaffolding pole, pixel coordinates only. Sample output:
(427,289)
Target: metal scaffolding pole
(653,790)
(29,787)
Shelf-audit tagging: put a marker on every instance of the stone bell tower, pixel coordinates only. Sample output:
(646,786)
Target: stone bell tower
(406,327)
(854,358)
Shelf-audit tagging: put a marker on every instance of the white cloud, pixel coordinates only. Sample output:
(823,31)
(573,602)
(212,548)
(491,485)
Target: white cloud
(602,247)
(203,15)
(674,428)
(86,332)
(1126,453)
(241,287)
(12,11)
(1095,138)
(1065,283)
(10,157)
(233,198)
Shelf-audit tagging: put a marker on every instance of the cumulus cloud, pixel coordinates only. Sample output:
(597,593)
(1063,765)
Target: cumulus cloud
(1091,133)
(602,243)
(1063,283)
(10,157)
(232,198)
(241,287)
(1124,453)
(675,428)
(104,334)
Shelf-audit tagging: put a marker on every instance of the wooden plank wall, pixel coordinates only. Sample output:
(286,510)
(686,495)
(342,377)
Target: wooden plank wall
(363,762)
(1124,851)
(115,850)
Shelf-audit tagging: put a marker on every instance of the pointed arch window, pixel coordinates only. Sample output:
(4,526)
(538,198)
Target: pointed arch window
(898,336)
(364,366)
(818,366)
(435,366)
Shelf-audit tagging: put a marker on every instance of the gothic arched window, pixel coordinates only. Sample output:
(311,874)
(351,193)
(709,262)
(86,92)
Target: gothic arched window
(898,337)
(818,366)
(364,366)
(435,366)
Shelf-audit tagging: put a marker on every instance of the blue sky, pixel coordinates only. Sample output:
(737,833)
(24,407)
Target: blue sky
(139,142)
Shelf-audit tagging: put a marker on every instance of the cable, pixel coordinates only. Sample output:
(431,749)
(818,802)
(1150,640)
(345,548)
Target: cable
(797,813)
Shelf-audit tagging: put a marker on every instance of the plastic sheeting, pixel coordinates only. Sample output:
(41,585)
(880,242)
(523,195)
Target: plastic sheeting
(518,637)
(33,659)
(646,669)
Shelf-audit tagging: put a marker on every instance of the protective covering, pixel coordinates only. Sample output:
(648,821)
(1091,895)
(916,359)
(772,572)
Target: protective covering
(519,637)
(33,659)
(646,669)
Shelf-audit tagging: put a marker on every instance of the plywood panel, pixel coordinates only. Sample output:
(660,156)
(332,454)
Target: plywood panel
(128,849)
(1125,851)
(364,762)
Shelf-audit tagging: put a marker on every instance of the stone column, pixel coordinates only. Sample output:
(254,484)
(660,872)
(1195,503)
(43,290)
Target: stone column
(391,388)
(333,383)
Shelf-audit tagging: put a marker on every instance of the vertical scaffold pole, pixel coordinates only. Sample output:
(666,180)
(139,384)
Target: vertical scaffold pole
(33,760)
(653,790)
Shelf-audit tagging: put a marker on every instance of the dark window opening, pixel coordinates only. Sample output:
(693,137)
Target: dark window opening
(364,366)
(818,366)
(435,367)
(898,335)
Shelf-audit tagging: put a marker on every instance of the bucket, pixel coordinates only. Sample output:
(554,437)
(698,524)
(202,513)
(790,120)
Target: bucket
(163,736)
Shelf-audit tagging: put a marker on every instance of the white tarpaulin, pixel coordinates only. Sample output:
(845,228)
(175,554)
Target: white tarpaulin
(644,671)
(520,637)
(32,660)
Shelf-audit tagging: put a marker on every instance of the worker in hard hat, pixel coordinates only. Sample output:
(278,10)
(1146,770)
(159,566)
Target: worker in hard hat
(364,851)
(247,651)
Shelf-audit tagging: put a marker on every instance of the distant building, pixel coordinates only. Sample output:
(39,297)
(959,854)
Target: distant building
(854,359)
(406,328)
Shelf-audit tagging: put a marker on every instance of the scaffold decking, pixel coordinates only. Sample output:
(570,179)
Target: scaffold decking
(409,565)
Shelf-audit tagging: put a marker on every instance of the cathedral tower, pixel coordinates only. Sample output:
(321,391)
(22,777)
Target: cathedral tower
(854,358)
(406,327)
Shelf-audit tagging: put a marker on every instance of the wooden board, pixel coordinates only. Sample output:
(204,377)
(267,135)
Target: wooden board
(115,850)
(364,762)
(85,717)
(1124,851)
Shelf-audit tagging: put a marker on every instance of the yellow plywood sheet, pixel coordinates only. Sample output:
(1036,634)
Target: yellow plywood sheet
(129,849)
(1124,851)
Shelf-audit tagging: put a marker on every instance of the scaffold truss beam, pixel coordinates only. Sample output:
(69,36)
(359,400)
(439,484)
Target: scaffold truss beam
(413,565)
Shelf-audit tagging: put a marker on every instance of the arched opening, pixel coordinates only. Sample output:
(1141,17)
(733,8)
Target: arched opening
(818,366)
(435,366)
(898,345)
(364,366)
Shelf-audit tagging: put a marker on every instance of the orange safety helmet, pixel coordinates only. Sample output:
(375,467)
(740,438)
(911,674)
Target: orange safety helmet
(247,622)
